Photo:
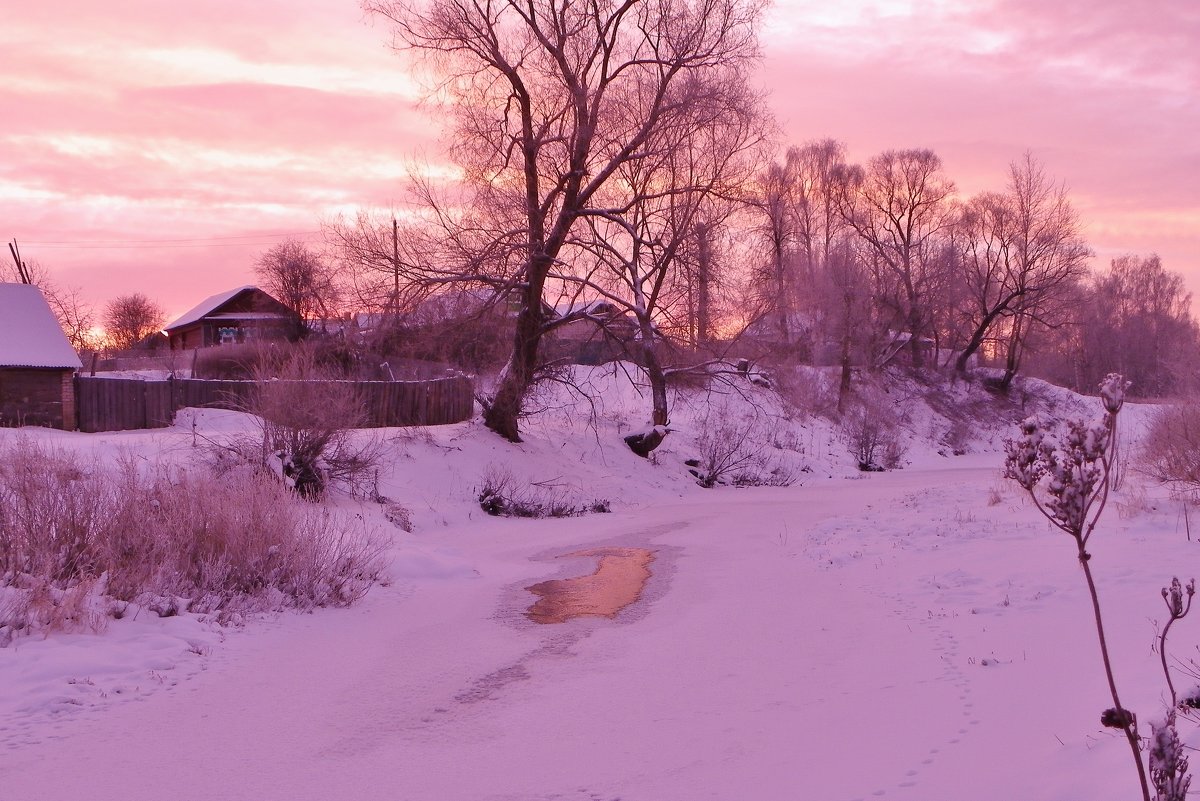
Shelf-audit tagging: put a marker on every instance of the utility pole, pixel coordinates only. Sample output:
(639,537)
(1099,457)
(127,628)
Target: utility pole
(22,268)
(395,271)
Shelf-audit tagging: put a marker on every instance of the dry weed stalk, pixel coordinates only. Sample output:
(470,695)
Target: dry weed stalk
(1069,477)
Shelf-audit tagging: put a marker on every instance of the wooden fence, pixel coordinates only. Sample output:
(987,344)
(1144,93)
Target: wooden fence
(117,404)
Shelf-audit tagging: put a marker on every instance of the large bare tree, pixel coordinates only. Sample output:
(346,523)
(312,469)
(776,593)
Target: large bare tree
(1019,254)
(551,99)
(899,206)
(653,234)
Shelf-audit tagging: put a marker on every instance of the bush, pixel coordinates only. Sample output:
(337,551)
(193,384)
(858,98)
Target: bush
(1171,449)
(734,451)
(501,495)
(240,362)
(76,538)
(307,431)
(872,435)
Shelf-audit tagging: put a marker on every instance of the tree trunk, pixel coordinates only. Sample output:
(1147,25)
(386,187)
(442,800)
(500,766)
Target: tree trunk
(781,299)
(914,342)
(658,385)
(1014,355)
(847,335)
(644,443)
(703,295)
(503,410)
(960,364)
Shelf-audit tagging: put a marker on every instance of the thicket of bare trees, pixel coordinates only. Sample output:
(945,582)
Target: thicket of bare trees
(551,100)
(868,263)
(1134,316)
(614,152)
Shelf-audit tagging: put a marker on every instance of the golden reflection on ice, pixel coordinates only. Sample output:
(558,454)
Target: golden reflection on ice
(620,575)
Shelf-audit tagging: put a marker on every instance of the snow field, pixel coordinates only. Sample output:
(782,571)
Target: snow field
(919,634)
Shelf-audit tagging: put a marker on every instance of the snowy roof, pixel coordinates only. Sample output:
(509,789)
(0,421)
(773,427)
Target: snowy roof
(248,316)
(200,310)
(599,306)
(30,336)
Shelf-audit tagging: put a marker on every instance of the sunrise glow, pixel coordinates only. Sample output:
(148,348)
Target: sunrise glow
(137,124)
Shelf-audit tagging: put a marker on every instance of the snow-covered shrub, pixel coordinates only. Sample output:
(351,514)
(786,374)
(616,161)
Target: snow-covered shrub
(734,448)
(807,391)
(957,437)
(308,435)
(1170,452)
(73,532)
(872,435)
(309,424)
(502,495)
(1168,761)
(33,603)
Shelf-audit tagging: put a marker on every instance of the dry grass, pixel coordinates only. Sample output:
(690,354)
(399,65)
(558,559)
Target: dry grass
(78,540)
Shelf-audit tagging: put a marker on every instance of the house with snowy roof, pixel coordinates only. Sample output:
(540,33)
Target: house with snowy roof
(244,314)
(37,362)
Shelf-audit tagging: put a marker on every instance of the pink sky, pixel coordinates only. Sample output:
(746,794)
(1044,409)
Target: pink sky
(224,125)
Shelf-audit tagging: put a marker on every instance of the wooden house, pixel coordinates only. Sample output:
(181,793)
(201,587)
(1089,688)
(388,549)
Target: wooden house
(245,314)
(595,332)
(37,362)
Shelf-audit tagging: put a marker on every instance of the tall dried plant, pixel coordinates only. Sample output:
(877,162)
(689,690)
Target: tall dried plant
(1068,474)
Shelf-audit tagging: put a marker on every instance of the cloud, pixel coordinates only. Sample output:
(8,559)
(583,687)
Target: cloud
(1101,92)
(147,119)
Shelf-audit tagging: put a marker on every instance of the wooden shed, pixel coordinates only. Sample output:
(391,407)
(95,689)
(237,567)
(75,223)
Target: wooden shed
(37,362)
(240,315)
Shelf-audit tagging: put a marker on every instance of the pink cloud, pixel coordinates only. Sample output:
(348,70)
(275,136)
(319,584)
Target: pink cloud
(146,121)
(1100,92)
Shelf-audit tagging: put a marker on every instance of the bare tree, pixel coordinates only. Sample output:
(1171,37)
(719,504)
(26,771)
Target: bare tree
(818,172)
(778,228)
(131,318)
(551,99)
(384,259)
(300,279)
(844,295)
(656,225)
(76,316)
(899,207)
(1019,253)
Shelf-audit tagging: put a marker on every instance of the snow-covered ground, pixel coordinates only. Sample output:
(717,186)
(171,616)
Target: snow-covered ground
(915,634)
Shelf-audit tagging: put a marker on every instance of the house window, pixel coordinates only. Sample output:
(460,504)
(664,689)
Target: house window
(228,335)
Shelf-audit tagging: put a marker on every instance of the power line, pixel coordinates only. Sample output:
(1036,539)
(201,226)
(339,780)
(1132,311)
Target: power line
(127,243)
(160,247)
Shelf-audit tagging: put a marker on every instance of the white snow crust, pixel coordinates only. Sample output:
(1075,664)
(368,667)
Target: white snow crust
(915,634)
